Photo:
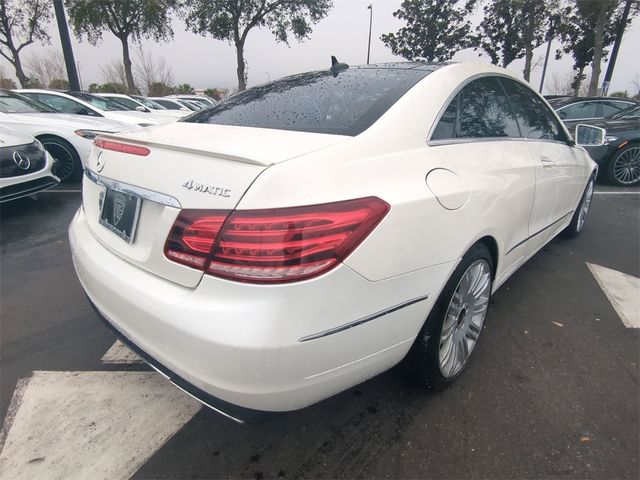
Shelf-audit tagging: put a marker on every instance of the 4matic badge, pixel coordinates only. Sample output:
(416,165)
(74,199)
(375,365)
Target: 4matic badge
(210,189)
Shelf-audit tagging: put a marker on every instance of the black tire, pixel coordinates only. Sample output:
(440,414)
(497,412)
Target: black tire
(623,168)
(576,225)
(67,166)
(424,358)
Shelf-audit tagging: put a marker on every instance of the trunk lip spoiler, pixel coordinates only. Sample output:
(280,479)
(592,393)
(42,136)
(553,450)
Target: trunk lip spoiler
(143,193)
(183,149)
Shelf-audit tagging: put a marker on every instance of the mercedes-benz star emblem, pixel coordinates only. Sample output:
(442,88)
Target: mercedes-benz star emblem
(100,162)
(119,202)
(22,160)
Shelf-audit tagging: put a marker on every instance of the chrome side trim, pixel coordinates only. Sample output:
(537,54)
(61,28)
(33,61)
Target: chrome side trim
(144,193)
(538,232)
(366,319)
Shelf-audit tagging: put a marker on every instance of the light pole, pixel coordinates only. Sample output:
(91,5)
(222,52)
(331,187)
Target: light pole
(72,73)
(553,21)
(370,7)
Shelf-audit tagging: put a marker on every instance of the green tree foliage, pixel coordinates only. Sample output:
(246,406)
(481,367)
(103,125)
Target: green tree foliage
(113,87)
(22,22)
(7,84)
(126,19)
(159,89)
(588,27)
(183,88)
(232,20)
(435,30)
(59,84)
(216,93)
(108,87)
(512,29)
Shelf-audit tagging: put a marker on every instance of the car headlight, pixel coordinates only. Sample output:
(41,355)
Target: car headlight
(89,134)
(609,139)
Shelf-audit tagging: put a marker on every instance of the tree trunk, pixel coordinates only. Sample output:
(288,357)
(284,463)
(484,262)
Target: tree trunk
(597,48)
(20,75)
(242,81)
(126,59)
(529,11)
(577,83)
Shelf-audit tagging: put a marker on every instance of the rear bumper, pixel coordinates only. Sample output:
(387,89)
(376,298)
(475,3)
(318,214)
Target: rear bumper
(229,410)
(262,348)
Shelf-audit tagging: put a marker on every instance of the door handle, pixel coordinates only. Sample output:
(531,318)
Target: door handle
(547,162)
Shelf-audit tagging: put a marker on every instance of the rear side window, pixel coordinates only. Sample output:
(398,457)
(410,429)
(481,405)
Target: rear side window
(479,110)
(318,102)
(536,120)
(579,110)
(612,107)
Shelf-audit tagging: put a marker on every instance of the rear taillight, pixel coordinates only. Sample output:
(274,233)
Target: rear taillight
(274,245)
(122,147)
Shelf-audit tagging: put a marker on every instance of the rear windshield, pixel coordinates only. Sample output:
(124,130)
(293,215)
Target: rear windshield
(318,102)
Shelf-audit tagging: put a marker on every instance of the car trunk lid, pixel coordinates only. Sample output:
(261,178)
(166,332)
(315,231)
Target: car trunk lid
(173,167)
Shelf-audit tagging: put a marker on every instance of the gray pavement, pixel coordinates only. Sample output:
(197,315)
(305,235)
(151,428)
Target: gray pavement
(552,389)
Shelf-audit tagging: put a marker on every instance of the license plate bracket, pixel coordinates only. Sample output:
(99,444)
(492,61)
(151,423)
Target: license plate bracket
(119,213)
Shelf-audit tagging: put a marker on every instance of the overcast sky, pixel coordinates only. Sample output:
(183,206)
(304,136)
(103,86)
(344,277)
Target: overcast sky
(205,62)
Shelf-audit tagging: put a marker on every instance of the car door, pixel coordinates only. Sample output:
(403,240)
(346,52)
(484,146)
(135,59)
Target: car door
(478,140)
(558,171)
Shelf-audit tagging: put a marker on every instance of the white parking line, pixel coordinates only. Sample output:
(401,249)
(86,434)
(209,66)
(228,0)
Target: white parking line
(622,290)
(119,353)
(91,424)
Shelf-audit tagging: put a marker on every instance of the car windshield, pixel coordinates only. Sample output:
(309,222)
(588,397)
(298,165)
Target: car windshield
(127,103)
(149,103)
(190,105)
(15,103)
(631,112)
(343,102)
(99,102)
(197,101)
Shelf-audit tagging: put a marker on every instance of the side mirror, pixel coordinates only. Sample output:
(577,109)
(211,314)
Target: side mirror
(589,136)
(562,115)
(81,111)
(140,108)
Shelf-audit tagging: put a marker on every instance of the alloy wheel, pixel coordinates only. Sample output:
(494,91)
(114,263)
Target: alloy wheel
(64,162)
(464,318)
(584,207)
(626,167)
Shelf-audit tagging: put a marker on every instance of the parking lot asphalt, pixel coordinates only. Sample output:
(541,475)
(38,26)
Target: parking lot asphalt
(552,389)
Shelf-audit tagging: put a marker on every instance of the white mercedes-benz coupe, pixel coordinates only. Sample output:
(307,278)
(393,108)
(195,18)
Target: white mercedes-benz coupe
(307,234)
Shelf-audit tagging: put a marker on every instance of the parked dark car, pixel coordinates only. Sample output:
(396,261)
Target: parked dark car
(619,157)
(589,108)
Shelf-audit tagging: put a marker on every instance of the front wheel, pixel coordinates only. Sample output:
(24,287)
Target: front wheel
(623,169)
(580,215)
(452,329)
(67,161)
